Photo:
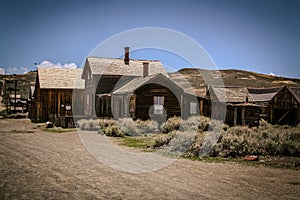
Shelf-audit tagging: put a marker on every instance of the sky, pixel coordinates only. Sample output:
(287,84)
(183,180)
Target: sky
(255,35)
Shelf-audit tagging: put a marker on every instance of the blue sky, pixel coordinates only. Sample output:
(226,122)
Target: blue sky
(256,35)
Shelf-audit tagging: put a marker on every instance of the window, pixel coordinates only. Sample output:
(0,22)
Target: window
(193,108)
(159,105)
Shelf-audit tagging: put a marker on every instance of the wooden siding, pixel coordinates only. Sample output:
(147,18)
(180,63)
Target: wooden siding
(145,99)
(283,108)
(242,115)
(54,102)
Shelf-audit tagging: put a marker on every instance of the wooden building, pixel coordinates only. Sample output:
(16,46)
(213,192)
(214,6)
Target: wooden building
(103,75)
(234,105)
(133,88)
(296,93)
(279,105)
(156,97)
(57,92)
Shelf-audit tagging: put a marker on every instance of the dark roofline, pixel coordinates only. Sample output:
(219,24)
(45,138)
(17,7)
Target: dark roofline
(154,76)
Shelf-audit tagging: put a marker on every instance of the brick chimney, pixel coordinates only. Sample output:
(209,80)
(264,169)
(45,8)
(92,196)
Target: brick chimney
(145,69)
(126,58)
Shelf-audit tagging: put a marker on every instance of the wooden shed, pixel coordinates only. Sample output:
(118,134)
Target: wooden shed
(279,105)
(58,92)
(296,92)
(234,105)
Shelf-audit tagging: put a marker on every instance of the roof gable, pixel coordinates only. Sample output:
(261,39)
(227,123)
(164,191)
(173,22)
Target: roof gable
(230,94)
(116,66)
(263,94)
(296,92)
(131,86)
(60,78)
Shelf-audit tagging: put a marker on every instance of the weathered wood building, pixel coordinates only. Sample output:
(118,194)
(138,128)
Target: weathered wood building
(234,105)
(57,92)
(133,88)
(279,105)
(296,93)
(154,96)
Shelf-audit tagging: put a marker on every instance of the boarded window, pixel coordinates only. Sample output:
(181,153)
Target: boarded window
(159,105)
(193,108)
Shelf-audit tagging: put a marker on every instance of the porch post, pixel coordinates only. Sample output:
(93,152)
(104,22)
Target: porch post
(181,107)
(243,116)
(235,116)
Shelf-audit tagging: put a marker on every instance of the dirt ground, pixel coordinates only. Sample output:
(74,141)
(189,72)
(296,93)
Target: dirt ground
(43,165)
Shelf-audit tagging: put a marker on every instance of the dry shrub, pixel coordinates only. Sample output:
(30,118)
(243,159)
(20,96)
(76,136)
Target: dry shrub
(164,139)
(147,126)
(265,140)
(91,124)
(106,122)
(172,124)
(83,124)
(138,127)
(196,123)
(113,131)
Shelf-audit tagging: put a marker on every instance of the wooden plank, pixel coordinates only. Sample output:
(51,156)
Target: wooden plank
(283,116)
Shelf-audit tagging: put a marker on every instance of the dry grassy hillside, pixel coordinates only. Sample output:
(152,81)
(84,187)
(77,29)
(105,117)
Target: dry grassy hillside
(24,81)
(198,79)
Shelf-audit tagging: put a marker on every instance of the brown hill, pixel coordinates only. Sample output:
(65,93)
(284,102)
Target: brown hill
(199,78)
(24,81)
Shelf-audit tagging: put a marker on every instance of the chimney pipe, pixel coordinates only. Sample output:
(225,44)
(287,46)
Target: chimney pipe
(145,69)
(126,58)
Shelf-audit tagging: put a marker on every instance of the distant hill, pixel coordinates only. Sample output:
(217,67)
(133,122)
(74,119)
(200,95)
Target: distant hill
(239,78)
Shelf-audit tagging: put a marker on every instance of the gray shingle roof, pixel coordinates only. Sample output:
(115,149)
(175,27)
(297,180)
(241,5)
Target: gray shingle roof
(116,66)
(263,94)
(60,78)
(231,94)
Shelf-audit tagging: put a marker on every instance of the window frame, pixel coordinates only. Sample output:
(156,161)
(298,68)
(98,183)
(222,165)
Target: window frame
(158,105)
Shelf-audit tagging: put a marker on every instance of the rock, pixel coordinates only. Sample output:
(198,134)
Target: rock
(251,158)
(49,125)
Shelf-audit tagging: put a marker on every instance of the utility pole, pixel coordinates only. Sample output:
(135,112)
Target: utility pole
(15,96)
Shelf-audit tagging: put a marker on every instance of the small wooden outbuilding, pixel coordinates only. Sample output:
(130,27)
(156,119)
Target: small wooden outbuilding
(58,92)
(234,105)
(279,105)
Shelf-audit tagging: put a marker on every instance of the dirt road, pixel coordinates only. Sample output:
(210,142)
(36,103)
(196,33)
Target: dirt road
(43,165)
